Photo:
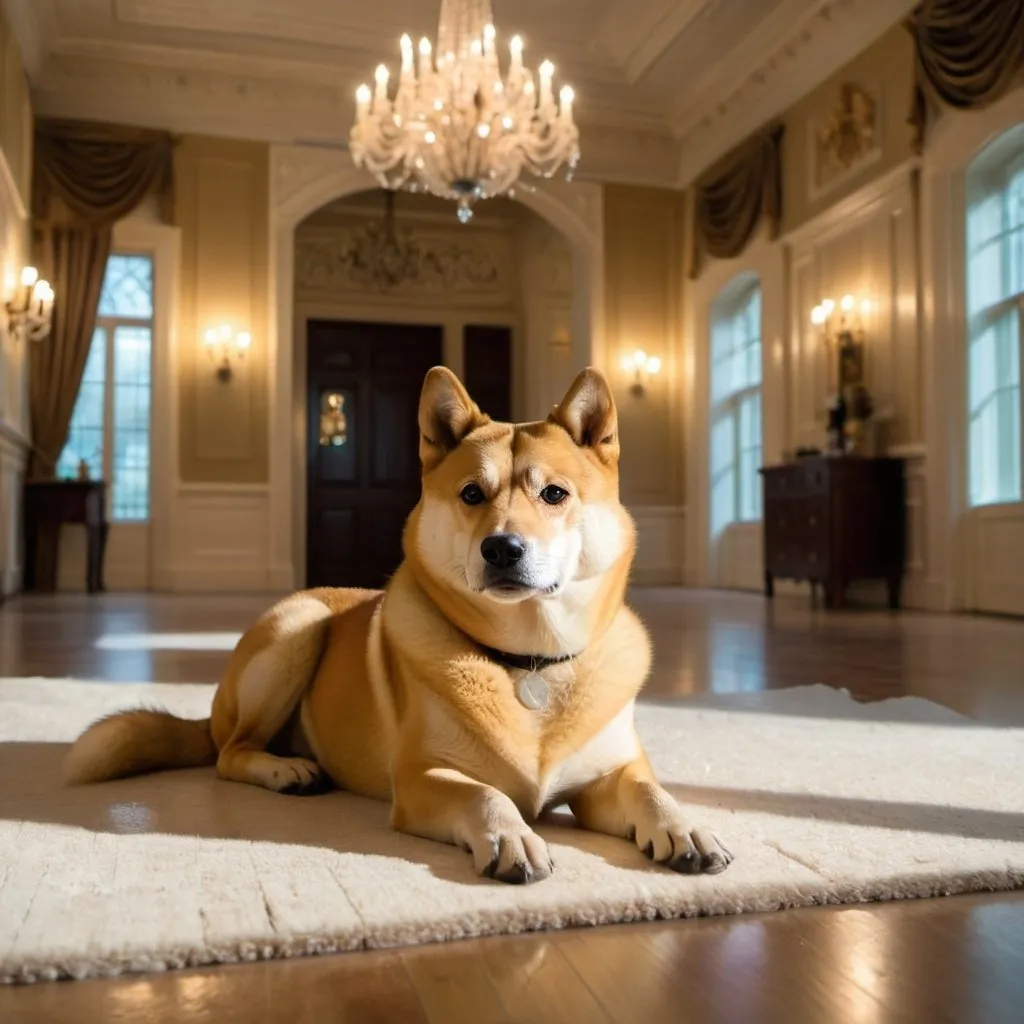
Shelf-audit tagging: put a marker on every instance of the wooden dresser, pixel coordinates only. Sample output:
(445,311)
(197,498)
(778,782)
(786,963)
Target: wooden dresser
(48,504)
(832,521)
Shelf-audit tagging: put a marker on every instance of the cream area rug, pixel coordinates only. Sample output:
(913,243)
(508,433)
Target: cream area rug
(821,799)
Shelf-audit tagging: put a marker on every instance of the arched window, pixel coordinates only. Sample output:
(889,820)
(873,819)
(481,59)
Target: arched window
(995,307)
(110,425)
(736,403)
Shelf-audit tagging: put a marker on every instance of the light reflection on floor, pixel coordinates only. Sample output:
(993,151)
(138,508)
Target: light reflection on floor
(167,642)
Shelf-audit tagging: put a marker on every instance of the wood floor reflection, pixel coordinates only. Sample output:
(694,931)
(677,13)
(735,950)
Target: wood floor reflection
(956,959)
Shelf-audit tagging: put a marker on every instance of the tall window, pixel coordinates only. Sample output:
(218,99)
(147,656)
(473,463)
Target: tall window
(736,404)
(110,423)
(995,306)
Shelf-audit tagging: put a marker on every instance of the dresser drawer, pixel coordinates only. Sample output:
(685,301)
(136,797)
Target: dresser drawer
(800,480)
(799,518)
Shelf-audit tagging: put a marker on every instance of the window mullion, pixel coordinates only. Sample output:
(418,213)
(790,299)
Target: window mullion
(108,413)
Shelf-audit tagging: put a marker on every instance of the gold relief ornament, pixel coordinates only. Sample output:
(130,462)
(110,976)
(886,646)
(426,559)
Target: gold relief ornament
(849,134)
(333,421)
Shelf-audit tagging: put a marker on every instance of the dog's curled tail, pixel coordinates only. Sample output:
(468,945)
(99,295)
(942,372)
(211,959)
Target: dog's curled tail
(136,742)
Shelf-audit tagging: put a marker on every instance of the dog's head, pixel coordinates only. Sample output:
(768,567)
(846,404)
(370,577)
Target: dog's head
(516,512)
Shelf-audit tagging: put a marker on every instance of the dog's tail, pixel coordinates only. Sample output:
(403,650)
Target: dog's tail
(136,742)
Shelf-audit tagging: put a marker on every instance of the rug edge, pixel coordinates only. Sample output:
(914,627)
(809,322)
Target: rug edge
(32,971)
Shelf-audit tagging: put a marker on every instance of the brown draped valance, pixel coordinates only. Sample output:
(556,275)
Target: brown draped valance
(967,54)
(86,177)
(734,195)
(101,172)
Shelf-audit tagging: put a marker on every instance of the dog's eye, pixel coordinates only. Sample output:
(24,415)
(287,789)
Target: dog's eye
(554,495)
(472,494)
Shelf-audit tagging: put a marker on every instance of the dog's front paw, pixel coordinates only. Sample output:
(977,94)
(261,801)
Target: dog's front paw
(298,777)
(690,851)
(515,854)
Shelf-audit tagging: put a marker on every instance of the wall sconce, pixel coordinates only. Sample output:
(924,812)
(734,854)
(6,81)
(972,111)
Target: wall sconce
(30,314)
(845,332)
(223,345)
(642,367)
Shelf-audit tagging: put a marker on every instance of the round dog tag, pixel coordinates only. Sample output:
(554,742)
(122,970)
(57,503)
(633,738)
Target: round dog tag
(532,691)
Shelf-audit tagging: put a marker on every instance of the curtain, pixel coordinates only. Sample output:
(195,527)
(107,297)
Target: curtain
(968,53)
(86,177)
(732,198)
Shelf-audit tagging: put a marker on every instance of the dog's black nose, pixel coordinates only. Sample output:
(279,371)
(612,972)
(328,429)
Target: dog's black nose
(502,550)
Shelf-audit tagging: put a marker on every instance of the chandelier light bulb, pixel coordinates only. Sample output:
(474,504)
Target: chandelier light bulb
(639,358)
(865,306)
(846,303)
(29,276)
(828,305)
(818,315)
(426,134)
(653,365)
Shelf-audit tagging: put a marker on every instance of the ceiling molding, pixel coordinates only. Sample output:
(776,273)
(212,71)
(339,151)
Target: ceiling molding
(636,35)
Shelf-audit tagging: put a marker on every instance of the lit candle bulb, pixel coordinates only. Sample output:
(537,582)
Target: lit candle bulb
(407,69)
(363,97)
(380,99)
(489,35)
(515,49)
(243,341)
(846,303)
(425,51)
(547,70)
(29,276)
(567,96)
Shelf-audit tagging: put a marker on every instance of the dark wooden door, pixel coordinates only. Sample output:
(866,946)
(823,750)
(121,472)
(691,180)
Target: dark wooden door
(364,382)
(487,358)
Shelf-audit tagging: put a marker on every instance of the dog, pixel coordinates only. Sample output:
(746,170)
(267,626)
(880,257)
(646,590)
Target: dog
(494,678)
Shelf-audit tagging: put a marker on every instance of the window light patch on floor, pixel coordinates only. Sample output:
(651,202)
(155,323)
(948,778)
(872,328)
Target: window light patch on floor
(168,642)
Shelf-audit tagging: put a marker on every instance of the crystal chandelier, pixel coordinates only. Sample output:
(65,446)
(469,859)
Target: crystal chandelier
(456,127)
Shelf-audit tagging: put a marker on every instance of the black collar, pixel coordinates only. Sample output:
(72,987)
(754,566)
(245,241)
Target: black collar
(527,662)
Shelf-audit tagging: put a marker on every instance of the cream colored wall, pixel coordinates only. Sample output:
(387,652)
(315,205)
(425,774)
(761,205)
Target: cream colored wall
(886,72)
(644,239)
(223,210)
(15,202)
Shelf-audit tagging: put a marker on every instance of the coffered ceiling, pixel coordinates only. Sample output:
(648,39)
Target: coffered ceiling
(663,87)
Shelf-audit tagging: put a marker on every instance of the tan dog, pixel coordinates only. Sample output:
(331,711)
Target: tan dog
(494,677)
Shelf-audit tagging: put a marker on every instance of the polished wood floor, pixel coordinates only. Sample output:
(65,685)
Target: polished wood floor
(956,959)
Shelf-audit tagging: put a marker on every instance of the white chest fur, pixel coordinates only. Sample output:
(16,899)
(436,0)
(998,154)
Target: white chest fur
(615,745)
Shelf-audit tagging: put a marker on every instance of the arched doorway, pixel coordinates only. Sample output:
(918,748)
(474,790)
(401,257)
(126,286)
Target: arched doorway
(304,180)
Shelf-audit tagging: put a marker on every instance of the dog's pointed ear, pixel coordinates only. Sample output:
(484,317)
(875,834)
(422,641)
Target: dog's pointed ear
(447,414)
(588,414)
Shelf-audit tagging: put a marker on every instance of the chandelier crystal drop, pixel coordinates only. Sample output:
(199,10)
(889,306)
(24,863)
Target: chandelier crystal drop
(457,127)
